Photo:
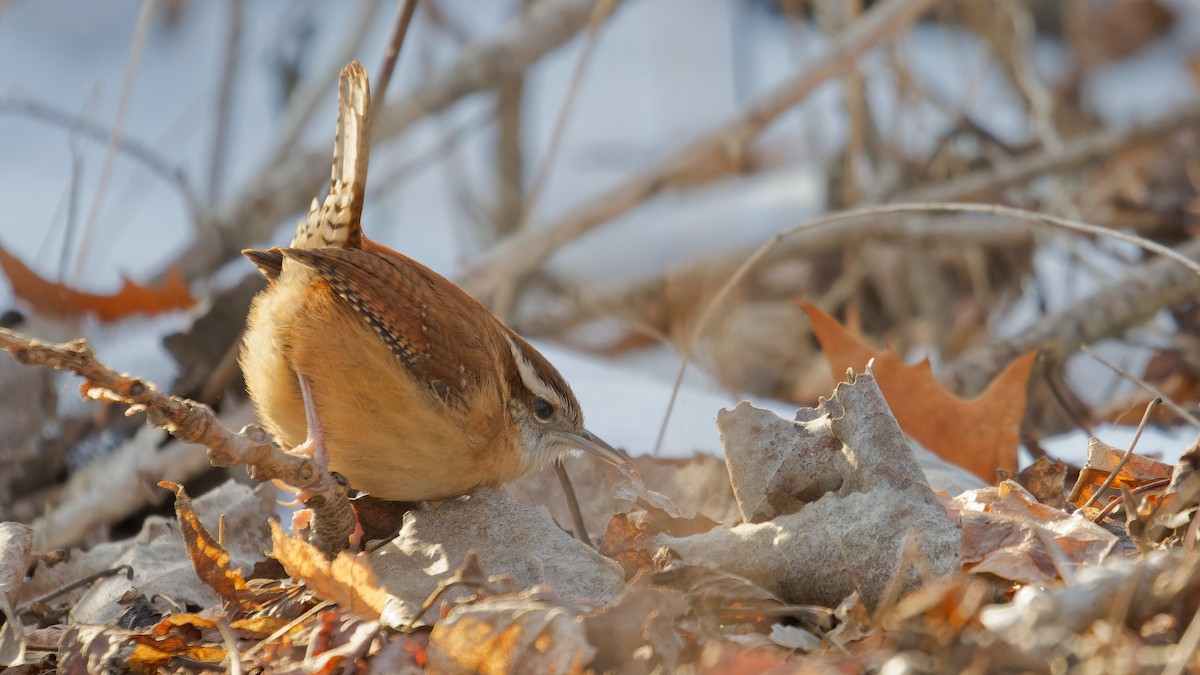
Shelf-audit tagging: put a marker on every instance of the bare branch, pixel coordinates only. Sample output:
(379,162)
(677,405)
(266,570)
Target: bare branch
(186,420)
(229,72)
(713,156)
(1133,299)
(404,15)
(131,63)
(131,148)
(287,185)
(1073,152)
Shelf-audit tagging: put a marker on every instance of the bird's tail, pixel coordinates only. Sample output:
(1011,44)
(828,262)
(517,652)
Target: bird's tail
(337,221)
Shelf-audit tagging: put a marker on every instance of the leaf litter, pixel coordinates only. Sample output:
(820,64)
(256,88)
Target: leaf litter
(819,541)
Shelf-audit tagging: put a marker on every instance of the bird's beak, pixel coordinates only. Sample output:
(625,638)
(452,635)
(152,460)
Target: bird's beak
(594,445)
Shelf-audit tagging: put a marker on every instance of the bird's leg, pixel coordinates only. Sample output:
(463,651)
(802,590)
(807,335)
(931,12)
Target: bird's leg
(313,447)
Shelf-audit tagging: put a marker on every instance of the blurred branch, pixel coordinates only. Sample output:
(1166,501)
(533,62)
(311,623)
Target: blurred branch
(1133,299)
(287,185)
(131,148)
(229,72)
(641,298)
(713,156)
(110,155)
(1073,152)
(318,87)
(404,15)
(515,216)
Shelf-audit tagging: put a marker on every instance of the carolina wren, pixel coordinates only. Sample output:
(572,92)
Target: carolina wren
(411,388)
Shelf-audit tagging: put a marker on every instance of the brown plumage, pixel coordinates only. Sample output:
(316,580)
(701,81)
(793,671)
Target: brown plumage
(421,392)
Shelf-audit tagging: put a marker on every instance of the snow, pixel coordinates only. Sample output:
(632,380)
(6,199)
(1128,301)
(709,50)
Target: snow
(664,72)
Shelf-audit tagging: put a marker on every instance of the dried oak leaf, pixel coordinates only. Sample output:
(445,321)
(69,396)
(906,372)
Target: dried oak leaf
(979,435)
(1102,459)
(16,551)
(509,635)
(209,557)
(153,653)
(643,617)
(627,540)
(1007,533)
(347,580)
(59,300)
(1046,479)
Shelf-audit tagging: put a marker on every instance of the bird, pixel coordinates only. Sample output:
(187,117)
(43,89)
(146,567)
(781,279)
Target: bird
(396,378)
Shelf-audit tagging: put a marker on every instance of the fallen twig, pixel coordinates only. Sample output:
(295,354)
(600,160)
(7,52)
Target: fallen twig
(192,422)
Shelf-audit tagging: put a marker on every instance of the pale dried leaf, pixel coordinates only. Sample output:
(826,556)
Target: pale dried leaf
(347,580)
(509,635)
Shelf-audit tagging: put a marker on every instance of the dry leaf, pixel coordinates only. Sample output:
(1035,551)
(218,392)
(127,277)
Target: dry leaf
(627,540)
(1102,459)
(509,635)
(643,617)
(209,557)
(152,654)
(1007,533)
(980,435)
(16,548)
(725,598)
(90,649)
(158,556)
(59,300)
(511,540)
(1046,480)
(347,580)
(696,485)
(869,503)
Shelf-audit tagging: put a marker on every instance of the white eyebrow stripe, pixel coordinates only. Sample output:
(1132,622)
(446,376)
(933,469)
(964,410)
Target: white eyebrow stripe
(530,377)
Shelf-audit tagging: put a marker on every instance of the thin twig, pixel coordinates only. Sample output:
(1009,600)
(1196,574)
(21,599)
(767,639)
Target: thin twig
(604,9)
(286,628)
(1112,506)
(286,186)
(1075,226)
(314,90)
(404,15)
(79,583)
(1146,386)
(1074,152)
(1112,476)
(110,154)
(715,155)
(231,648)
(229,73)
(131,148)
(1134,298)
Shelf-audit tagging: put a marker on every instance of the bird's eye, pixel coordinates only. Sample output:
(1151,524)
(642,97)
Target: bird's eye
(542,409)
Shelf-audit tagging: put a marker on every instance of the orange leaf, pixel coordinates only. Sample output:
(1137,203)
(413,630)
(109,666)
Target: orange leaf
(1102,459)
(347,580)
(59,300)
(151,655)
(980,435)
(628,542)
(209,558)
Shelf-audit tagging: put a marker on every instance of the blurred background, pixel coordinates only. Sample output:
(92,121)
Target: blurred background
(595,171)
